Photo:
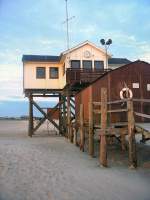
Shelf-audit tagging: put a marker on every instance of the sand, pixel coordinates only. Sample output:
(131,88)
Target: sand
(48,167)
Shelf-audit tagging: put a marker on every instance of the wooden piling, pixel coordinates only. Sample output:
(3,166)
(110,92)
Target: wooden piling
(91,126)
(74,136)
(60,115)
(122,137)
(82,137)
(64,115)
(103,144)
(68,117)
(131,135)
(31,126)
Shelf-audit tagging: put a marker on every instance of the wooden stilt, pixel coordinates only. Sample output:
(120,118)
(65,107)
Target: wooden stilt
(31,127)
(91,129)
(64,114)
(68,116)
(82,137)
(131,136)
(103,144)
(122,136)
(74,136)
(71,133)
(60,115)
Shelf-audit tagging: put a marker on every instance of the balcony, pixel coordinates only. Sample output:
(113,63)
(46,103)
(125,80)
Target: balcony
(75,76)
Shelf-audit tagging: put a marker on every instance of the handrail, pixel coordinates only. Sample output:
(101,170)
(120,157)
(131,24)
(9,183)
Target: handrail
(118,101)
(142,115)
(88,70)
(142,100)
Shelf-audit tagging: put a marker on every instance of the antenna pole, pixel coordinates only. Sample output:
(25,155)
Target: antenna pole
(67,24)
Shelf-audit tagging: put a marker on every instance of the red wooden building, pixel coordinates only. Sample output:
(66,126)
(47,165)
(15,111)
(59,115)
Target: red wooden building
(135,76)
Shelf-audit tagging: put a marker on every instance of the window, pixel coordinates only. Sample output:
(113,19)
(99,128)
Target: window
(40,72)
(98,64)
(87,64)
(75,64)
(53,72)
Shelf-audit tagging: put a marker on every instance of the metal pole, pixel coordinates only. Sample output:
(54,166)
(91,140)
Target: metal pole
(106,57)
(67,24)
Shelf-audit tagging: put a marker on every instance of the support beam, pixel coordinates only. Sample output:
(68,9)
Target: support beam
(47,116)
(68,117)
(39,124)
(31,125)
(91,125)
(60,114)
(131,136)
(103,144)
(82,137)
(64,114)
(37,95)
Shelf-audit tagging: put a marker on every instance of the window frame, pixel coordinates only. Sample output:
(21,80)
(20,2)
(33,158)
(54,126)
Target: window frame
(50,74)
(79,61)
(37,68)
(98,61)
(87,61)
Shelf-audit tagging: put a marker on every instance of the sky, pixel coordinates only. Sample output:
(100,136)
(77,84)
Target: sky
(36,27)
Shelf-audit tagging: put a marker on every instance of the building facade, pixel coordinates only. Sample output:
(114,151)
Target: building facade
(50,72)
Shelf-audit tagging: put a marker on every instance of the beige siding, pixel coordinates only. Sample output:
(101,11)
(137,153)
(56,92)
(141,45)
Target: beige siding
(30,81)
(78,54)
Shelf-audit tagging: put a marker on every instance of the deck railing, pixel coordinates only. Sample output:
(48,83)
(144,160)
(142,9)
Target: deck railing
(142,114)
(74,75)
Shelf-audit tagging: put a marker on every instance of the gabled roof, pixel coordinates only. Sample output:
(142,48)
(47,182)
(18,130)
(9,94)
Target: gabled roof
(82,44)
(39,58)
(118,61)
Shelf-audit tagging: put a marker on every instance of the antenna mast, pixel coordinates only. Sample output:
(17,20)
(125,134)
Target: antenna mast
(67,23)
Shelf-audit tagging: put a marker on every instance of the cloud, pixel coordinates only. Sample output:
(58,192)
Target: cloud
(35,27)
(145,56)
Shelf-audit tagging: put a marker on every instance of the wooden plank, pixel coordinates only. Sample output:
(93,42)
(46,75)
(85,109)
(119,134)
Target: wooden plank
(82,137)
(64,115)
(131,136)
(68,117)
(142,100)
(96,103)
(91,125)
(31,125)
(117,101)
(142,115)
(60,115)
(123,133)
(36,95)
(117,111)
(103,145)
(96,111)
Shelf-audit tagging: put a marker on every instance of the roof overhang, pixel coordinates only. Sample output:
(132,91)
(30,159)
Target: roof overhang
(83,44)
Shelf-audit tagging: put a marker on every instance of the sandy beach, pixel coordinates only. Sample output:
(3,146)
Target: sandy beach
(48,167)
